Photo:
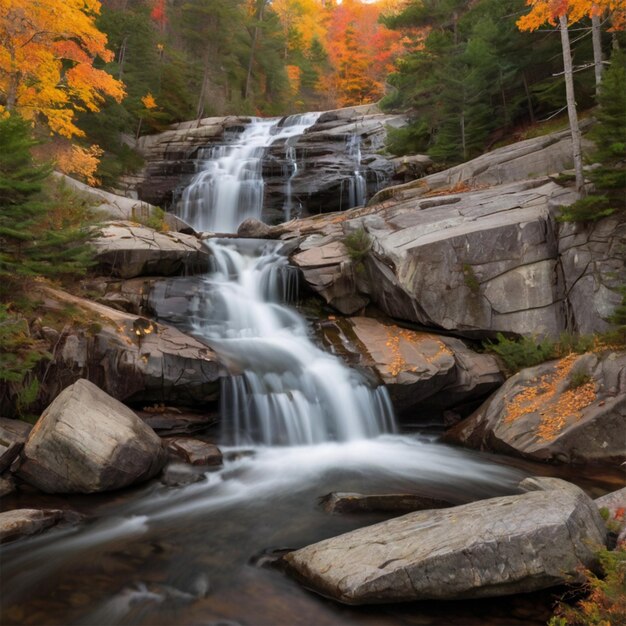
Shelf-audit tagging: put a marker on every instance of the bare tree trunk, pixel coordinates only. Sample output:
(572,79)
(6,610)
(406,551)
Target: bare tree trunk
(255,37)
(529,99)
(597,50)
(571,106)
(205,80)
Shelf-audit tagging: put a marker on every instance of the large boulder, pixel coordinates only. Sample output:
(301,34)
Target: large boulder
(130,357)
(127,249)
(570,410)
(500,546)
(421,371)
(86,441)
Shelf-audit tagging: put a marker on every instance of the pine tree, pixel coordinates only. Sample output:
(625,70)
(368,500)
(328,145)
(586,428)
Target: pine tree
(609,135)
(31,243)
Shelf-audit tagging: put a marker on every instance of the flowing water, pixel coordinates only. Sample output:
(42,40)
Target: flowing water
(297,424)
(229,188)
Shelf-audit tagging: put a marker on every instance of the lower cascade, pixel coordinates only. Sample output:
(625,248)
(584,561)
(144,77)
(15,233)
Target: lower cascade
(285,390)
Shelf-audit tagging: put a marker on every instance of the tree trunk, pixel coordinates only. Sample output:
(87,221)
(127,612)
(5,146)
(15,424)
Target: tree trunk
(205,80)
(255,37)
(597,50)
(571,106)
(529,100)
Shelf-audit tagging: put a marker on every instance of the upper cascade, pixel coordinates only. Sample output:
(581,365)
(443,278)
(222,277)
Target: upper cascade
(230,188)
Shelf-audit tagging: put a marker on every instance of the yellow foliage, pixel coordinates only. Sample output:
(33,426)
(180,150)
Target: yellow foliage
(148,101)
(73,159)
(548,11)
(47,51)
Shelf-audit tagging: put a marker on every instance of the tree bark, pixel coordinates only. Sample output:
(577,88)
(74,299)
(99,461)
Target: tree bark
(571,106)
(255,37)
(597,50)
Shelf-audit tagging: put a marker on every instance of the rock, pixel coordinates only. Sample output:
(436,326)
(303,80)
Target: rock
(7,485)
(338,502)
(131,358)
(420,370)
(254,229)
(469,251)
(181,474)
(194,451)
(86,441)
(523,160)
(507,545)
(537,413)
(21,523)
(326,154)
(127,250)
(13,435)
(615,505)
(172,421)
(594,264)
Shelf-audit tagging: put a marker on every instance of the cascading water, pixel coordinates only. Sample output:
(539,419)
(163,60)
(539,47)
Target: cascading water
(357,185)
(285,390)
(229,188)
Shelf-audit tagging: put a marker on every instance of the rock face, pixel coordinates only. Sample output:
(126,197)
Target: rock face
(469,251)
(194,451)
(13,435)
(420,370)
(21,523)
(338,502)
(494,547)
(341,143)
(86,441)
(571,410)
(131,358)
(127,250)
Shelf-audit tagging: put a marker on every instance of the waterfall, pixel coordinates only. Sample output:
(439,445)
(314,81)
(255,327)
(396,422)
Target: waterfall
(357,185)
(229,187)
(284,390)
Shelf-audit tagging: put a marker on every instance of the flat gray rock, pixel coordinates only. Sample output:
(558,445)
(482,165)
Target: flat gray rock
(127,249)
(500,546)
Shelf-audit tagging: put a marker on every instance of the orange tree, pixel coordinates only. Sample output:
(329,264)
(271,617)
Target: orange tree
(48,51)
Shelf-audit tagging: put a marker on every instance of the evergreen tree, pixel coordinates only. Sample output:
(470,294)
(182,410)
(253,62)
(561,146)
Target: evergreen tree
(31,243)
(609,135)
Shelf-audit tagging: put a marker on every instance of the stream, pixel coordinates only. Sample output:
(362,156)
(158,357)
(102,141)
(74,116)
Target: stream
(297,423)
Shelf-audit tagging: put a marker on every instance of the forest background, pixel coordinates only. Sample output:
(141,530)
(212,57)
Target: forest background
(94,75)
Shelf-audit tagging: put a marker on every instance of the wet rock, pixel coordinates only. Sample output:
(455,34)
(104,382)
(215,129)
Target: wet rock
(21,523)
(13,435)
(570,410)
(507,545)
(338,502)
(254,229)
(181,474)
(172,421)
(131,358)
(86,441)
(127,250)
(420,370)
(194,451)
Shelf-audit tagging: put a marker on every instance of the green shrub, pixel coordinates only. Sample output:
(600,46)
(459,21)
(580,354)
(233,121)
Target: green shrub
(154,218)
(358,244)
(520,353)
(604,603)
(588,209)
(525,352)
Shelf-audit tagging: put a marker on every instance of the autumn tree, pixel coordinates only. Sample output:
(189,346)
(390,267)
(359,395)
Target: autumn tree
(47,55)
(565,12)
